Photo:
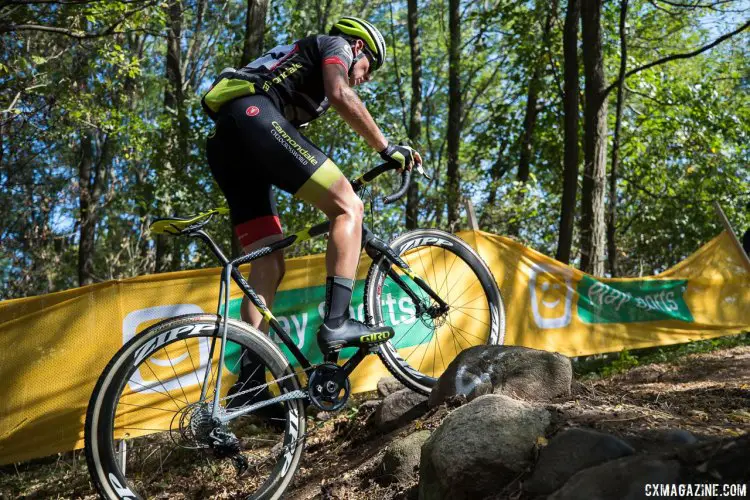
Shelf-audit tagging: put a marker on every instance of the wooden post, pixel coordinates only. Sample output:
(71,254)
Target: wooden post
(732,235)
(470,215)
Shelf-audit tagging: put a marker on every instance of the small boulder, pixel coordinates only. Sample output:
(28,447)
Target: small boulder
(400,408)
(388,385)
(515,371)
(570,451)
(401,459)
(479,448)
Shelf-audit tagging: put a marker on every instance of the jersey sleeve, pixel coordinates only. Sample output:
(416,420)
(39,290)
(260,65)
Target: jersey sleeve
(335,50)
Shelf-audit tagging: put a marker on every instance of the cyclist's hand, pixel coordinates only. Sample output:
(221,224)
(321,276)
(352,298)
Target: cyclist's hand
(402,155)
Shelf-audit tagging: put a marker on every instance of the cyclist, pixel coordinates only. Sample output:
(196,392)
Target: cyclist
(256,144)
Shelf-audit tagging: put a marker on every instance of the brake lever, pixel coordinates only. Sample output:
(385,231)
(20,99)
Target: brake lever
(421,171)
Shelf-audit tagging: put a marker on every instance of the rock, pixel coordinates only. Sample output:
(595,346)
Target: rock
(621,479)
(515,371)
(399,408)
(657,440)
(388,385)
(370,405)
(479,448)
(570,451)
(401,459)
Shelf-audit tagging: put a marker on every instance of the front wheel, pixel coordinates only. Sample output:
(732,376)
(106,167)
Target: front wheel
(150,434)
(427,338)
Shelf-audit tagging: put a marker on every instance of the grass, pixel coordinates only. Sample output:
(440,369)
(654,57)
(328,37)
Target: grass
(606,365)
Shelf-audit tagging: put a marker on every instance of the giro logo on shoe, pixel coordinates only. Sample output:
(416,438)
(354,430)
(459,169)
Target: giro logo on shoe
(431,240)
(252,111)
(375,337)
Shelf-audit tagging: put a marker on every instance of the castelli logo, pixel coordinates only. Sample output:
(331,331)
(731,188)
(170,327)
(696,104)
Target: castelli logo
(252,111)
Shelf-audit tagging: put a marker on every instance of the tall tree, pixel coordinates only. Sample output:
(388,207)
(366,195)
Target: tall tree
(595,140)
(415,112)
(255,29)
(571,117)
(454,112)
(175,133)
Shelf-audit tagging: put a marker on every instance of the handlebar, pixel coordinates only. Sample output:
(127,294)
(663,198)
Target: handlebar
(370,175)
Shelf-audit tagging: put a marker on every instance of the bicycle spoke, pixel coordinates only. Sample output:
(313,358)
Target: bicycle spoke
(149,407)
(462,306)
(472,317)
(177,379)
(195,370)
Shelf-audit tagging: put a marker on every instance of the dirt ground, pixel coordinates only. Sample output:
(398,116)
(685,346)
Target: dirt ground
(706,394)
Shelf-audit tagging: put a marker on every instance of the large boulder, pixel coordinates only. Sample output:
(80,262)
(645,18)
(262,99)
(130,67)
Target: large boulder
(400,408)
(514,371)
(570,451)
(480,447)
(388,385)
(401,459)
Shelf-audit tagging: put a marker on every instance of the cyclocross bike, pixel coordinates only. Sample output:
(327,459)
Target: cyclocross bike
(161,422)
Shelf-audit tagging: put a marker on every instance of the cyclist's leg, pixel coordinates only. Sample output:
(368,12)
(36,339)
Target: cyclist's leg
(256,223)
(291,162)
(253,212)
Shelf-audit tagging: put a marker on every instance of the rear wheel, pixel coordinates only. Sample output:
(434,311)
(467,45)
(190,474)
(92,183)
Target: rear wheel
(427,337)
(150,435)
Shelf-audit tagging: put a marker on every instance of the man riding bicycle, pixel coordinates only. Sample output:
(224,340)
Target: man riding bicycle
(256,145)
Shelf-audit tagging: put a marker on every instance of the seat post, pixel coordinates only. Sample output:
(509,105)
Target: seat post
(210,242)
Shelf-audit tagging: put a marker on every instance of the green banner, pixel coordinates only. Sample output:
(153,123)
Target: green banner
(632,301)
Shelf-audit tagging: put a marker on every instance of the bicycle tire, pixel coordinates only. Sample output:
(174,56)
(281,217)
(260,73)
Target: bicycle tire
(411,246)
(194,331)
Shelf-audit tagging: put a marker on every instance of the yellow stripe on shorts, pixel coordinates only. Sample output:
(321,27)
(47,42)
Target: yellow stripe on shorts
(319,183)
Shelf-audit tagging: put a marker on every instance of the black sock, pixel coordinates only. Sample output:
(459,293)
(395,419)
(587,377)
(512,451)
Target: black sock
(338,297)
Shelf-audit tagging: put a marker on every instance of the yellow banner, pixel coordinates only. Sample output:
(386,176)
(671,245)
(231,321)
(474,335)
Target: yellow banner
(53,347)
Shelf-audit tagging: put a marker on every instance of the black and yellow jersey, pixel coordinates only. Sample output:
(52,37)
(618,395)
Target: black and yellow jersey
(290,75)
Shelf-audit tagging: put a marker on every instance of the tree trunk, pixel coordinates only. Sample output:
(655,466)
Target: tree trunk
(415,116)
(454,113)
(595,141)
(87,226)
(255,29)
(570,106)
(612,208)
(175,137)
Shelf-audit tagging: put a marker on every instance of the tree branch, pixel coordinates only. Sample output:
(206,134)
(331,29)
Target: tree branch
(673,57)
(77,34)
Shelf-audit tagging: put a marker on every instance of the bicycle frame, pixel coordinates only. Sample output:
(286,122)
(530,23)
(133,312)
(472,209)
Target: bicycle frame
(374,247)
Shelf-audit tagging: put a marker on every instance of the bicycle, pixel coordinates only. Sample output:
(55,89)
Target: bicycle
(167,387)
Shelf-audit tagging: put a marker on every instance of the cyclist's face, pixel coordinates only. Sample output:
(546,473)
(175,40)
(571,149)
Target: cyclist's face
(361,72)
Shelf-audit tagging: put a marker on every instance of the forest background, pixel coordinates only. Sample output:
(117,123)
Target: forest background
(597,132)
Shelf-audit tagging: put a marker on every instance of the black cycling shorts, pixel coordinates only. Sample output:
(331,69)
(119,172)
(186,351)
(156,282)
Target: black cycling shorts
(254,148)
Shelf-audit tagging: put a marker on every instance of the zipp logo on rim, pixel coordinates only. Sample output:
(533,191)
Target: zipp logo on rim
(430,240)
(158,341)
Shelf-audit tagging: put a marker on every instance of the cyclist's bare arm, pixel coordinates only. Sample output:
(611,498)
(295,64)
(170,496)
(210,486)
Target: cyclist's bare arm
(346,102)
